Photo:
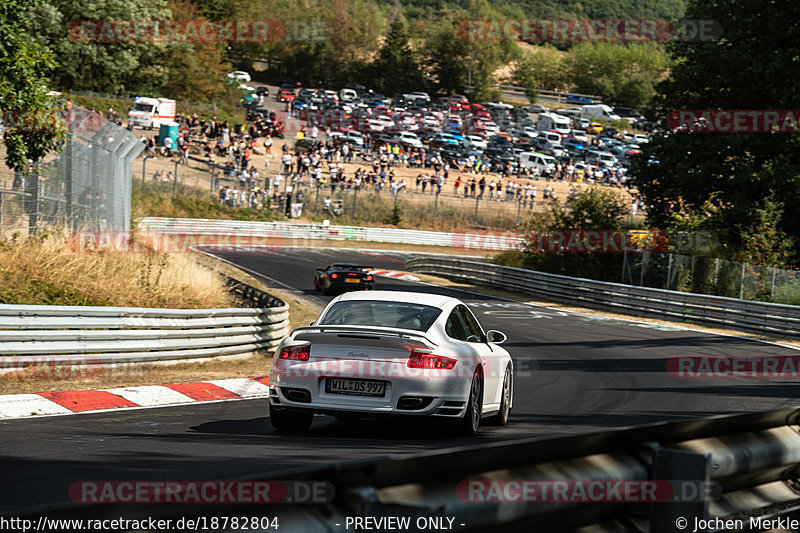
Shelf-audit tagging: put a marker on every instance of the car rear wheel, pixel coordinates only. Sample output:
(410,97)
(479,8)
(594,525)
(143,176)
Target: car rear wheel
(501,418)
(290,420)
(468,424)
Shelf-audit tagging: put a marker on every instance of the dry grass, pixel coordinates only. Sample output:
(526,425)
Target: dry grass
(52,270)
(301,312)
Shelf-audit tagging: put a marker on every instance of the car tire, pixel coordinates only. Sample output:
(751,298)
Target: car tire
(469,423)
(284,419)
(501,418)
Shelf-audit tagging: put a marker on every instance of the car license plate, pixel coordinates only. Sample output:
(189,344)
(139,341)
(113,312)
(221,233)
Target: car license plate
(353,280)
(355,386)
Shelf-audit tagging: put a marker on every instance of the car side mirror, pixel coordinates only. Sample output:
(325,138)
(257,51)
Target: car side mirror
(495,337)
(312,323)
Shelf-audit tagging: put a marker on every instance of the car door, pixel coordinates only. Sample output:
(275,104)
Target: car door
(490,357)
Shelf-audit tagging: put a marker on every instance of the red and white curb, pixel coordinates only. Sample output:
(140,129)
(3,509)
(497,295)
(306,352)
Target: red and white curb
(81,401)
(394,274)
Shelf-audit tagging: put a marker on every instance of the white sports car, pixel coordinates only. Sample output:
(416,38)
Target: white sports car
(392,353)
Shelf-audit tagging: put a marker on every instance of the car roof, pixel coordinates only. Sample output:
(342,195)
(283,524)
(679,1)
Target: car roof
(434,300)
(346,265)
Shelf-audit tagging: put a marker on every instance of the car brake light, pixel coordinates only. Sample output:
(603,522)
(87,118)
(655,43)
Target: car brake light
(419,359)
(334,276)
(369,278)
(298,352)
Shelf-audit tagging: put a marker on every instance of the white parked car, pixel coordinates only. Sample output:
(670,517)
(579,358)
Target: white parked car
(477,142)
(377,353)
(542,162)
(239,75)
(408,138)
(640,138)
(580,135)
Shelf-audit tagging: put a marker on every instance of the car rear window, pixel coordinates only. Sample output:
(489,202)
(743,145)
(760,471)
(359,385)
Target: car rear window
(384,314)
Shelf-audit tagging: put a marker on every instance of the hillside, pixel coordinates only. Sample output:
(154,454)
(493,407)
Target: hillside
(669,9)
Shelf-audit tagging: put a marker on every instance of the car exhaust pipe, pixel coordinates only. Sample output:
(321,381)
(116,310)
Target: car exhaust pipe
(297,395)
(412,403)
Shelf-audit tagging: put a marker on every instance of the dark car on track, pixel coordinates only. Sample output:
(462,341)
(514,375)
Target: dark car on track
(340,277)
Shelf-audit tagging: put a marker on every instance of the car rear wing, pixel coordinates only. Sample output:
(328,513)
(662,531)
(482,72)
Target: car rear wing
(368,330)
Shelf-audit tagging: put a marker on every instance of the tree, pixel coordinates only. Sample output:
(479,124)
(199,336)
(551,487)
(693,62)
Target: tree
(23,89)
(448,59)
(111,64)
(751,66)
(620,74)
(396,69)
(540,69)
(194,69)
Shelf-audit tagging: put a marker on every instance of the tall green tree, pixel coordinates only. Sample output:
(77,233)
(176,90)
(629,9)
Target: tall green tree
(620,74)
(540,69)
(751,66)
(397,68)
(110,64)
(24,66)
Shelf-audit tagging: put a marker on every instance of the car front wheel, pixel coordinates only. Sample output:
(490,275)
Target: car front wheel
(501,418)
(468,424)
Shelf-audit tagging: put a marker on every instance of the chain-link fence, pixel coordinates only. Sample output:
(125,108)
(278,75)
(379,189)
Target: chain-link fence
(87,186)
(711,275)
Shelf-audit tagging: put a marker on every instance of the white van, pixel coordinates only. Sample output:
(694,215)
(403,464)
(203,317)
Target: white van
(417,95)
(152,112)
(348,95)
(408,138)
(598,111)
(553,121)
(552,137)
(605,159)
(538,161)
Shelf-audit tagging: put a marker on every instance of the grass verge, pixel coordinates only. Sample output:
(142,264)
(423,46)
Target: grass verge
(49,269)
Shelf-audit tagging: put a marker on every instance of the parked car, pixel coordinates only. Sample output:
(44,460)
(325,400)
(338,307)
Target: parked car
(239,75)
(285,95)
(578,99)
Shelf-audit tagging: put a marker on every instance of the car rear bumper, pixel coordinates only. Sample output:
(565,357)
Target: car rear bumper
(407,392)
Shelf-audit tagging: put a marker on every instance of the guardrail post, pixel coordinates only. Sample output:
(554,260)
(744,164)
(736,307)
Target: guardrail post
(741,284)
(690,474)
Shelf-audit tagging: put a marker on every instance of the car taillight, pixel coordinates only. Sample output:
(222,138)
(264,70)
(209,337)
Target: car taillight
(296,353)
(419,359)
(369,278)
(334,276)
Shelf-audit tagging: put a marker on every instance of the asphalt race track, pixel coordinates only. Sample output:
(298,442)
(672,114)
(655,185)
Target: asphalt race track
(574,374)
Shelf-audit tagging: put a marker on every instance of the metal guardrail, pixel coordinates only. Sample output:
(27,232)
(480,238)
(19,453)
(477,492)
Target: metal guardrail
(557,94)
(86,336)
(758,317)
(727,468)
(291,230)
